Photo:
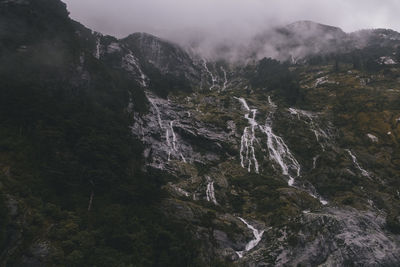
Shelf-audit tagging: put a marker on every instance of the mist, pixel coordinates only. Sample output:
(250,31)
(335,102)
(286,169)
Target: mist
(203,24)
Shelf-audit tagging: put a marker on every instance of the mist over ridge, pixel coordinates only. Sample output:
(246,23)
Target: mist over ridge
(208,133)
(231,30)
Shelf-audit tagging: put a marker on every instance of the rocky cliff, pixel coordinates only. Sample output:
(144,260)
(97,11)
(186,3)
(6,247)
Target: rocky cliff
(291,163)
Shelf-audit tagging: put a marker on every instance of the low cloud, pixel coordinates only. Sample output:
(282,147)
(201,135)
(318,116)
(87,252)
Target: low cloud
(213,23)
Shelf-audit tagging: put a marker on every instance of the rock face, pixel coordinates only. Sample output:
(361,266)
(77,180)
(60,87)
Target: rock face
(331,237)
(248,136)
(260,180)
(340,237)
(324,228)
(163,57)
(172,133)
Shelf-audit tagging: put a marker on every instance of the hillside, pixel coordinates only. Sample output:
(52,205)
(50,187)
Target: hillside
(134,152)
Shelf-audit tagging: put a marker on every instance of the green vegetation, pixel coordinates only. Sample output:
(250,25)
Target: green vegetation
(74,183)
(73,165)
(271,75)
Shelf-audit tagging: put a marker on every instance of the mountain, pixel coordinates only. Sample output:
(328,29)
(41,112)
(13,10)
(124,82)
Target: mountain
(133,151)
(303,40)
(300,39)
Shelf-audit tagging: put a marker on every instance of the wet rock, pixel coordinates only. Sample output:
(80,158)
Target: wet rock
(339,236)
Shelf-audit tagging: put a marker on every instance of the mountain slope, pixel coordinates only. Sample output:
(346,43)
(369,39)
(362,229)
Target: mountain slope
(132,151)
(304,40)
(70,169)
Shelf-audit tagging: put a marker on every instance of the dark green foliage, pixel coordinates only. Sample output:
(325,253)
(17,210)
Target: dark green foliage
(365,59)
(3,222)
(393,224)
(65,131)
(237,203)
(139,236)
(273,75)
(163,84)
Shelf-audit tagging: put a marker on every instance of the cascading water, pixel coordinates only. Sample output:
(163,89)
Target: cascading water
(170,136)
(315,161)
(355,161)
(130,62)
(180,191)
(254,242)
(210,194)
(308,117)
(225,79)
(156,111)
(98,45)
(280,153)
(278,150)
(213,78)
(247,151)
(171,125)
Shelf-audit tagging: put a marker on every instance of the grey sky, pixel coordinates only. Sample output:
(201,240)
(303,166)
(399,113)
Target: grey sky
(169,17)
(212,23)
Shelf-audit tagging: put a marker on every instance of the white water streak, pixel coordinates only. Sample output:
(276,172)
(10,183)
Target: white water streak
(157,111)
(225,79)
(130,60)
(210,193)
(277,149)
(170,136)
(97,55)
(280,153)
(355,161)
(309,120)
(271,104)
(315,161)
(171,125)
(180,191)
(213,78)
(254,242)
(183,158)
(373,138)
(247,150)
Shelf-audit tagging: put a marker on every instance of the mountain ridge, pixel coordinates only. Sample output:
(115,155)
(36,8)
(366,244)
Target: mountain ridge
(134,151)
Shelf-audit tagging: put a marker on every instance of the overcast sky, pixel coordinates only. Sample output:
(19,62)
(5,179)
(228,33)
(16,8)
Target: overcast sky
(164,17)
(210,22)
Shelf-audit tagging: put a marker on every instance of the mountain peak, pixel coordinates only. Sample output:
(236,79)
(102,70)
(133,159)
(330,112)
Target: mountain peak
(308,25)
(141,35)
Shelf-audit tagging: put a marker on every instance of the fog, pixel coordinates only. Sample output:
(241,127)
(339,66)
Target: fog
(214,22)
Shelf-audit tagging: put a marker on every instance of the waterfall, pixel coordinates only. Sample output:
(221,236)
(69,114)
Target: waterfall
(157,112)
(180,191)
(355,161)
(210,194)
(171,125)
(254,242)
(130,63)
(225,79)
(308,118)
(247,151)
(213,78)
(280,153)
(168,129)
(98,45)
(315,161)
(277,149)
